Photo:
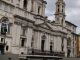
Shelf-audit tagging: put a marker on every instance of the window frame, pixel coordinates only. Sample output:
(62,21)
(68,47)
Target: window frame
(5,25)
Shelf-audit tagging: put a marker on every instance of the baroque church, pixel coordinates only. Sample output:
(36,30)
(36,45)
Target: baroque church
(25,30)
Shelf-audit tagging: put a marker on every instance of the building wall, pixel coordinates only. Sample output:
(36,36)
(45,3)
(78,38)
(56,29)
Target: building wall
(30,21)
(78,45)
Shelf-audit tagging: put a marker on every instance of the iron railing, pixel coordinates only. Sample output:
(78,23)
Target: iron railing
(45,52)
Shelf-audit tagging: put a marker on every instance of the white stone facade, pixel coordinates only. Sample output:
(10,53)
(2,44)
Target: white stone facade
(34,23)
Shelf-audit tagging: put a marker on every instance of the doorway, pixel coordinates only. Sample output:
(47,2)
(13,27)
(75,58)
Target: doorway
(1,49)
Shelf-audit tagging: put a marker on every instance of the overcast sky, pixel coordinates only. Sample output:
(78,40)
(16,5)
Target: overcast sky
(72,11)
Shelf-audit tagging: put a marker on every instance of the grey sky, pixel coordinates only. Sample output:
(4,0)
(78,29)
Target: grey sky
(72,11)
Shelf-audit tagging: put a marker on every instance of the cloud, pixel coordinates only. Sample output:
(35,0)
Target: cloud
(51,18)
(72,10)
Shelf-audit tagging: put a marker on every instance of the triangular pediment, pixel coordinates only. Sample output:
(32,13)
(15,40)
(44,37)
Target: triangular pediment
(45,25)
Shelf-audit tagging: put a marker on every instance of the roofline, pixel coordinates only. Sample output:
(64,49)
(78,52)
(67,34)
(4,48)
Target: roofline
(71,23)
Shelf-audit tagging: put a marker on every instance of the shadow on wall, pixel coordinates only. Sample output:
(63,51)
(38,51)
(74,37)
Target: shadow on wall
(9,57)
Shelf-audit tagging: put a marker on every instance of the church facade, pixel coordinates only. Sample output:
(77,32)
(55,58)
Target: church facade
(26,31)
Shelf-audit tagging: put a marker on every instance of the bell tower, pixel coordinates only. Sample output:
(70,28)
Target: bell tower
(60,13)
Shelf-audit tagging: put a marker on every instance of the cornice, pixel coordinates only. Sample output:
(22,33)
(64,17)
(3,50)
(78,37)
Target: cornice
(40,17)
(7,3)
(23,18)
(51,32)
(24,23)
(30,24)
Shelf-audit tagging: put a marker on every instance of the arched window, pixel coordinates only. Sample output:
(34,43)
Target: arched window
(32,5)
(58,8)
(4,26)
(25,2)
(43,42)
(39,7)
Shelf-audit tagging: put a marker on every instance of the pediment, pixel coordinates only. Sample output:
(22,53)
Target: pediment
(45,25)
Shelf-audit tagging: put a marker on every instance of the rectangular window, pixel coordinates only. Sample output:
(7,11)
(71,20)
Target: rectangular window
(69,42)
(51,48)
(32,42)
(58,8)
(23,31)
(2,39)
(3,29)
(39,9)
(9,28)
(42,45)
(62,45)
(23,40)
